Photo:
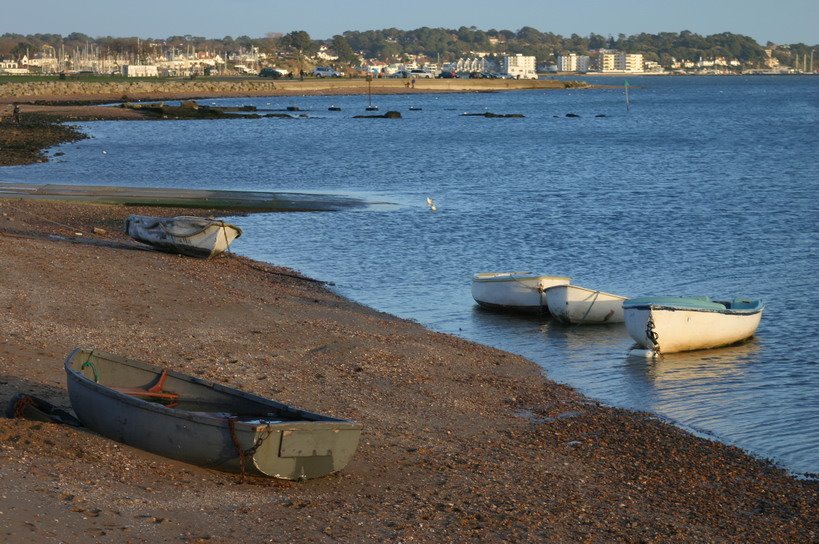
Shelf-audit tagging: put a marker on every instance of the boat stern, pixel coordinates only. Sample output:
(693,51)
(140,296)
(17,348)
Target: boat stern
(300,453)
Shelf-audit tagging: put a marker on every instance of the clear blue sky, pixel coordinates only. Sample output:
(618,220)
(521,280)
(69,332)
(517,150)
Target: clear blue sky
(779,21)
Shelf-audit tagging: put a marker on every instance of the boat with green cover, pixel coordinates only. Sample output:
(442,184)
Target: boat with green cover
(673,324)
(204,423)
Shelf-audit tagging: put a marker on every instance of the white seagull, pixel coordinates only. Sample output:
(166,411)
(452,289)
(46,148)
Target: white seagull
(431,204)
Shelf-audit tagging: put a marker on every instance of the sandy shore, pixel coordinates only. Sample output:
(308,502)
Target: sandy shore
(461,442)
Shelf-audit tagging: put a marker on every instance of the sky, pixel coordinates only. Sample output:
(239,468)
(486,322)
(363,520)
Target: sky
(780,21)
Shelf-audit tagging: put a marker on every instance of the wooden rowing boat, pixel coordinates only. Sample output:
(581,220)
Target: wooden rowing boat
(194,236)
(204,423)
(674,324)
(513,291)
(579,305)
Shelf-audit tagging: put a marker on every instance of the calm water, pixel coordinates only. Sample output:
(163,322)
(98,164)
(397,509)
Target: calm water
(709,186)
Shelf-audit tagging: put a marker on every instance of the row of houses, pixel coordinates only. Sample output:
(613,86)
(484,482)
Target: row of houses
(515,66)
(156,59)
(618,61)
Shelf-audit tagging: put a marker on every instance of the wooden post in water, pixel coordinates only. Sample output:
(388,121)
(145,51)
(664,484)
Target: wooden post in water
(370,106)
(628,106)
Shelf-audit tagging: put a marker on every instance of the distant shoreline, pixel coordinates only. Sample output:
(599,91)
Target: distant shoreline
(96,92)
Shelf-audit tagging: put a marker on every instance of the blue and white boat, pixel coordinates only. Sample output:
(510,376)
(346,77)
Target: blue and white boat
(673,324)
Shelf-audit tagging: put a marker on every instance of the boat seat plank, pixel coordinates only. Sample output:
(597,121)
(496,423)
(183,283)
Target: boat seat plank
(154,392)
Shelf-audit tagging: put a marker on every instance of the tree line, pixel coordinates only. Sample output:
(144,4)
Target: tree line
(392,44)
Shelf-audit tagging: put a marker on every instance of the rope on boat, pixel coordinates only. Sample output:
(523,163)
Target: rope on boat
(652,335)
(231,421)
(250,452)
(41,218)
(540,290)
(594,299)
(21,404)
(93,369)
(224,231)
(249,263)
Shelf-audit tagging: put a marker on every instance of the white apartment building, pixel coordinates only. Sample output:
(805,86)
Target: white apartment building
(140,70)
(617,61)
(573,63)
(519,66)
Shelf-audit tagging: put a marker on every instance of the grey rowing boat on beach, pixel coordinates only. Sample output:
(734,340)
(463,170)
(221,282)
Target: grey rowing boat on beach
(188,235)
(204,423)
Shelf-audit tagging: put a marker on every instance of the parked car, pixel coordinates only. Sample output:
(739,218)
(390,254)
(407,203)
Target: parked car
(401,73)
(270,72)
(325,71)
(447,75)
(418,73)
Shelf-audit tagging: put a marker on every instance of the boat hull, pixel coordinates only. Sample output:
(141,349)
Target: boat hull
(579,305)
(689,329)
(220,427)
(513,291)
(193,236)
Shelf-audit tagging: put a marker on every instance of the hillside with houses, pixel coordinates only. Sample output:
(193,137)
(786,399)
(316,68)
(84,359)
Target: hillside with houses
(440,52)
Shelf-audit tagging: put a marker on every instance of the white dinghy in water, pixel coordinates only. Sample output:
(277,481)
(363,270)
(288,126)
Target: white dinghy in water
(513,291)
(580,305)
(194,236)
(673,324)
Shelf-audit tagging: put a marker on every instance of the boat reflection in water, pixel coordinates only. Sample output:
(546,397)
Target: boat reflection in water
(694,388)
(701,365)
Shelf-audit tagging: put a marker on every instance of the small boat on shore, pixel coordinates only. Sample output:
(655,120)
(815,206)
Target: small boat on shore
(674,324)
(579,305)
(513,291)
(188,235)
(204,423)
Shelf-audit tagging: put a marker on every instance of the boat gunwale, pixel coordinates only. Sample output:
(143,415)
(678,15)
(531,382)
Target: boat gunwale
(514,276)
(587,289)
(216,419)
(673,308)
(218,223)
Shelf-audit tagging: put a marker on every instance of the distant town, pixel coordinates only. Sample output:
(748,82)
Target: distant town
(466,52)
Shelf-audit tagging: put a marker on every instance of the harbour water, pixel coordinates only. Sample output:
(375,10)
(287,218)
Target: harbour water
(708,185)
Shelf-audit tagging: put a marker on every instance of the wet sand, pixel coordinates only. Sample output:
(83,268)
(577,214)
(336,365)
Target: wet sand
(223,200)
(461,442)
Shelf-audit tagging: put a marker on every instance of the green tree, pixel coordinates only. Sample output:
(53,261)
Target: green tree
(300,41)
(345,53)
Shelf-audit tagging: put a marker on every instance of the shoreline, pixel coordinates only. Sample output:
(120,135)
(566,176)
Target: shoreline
(222,200)
(461,441)
(47,106)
